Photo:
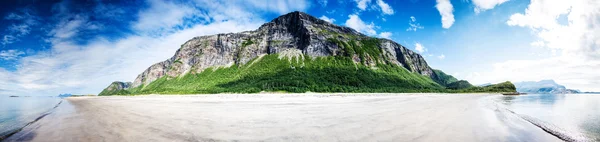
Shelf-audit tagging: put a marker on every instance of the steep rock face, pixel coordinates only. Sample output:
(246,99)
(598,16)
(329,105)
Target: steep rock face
(293,34)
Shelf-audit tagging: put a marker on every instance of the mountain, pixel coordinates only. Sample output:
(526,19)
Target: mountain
(485,84)
(543,87)
(295,52)
(64,95)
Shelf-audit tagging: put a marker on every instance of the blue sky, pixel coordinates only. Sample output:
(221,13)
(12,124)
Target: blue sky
(49,47)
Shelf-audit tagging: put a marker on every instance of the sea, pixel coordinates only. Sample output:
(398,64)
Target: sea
(18,112)
(572,117)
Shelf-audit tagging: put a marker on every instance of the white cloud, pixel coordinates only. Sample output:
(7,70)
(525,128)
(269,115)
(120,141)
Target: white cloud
(362,4)
(323,3)
(357,24)
(330,20)
(385,8)
(22,20)
(538,44)
(8,39)
(579,36)
(10,54)
(441,57)
(413,24)
(87,69)
(577,42)
(445,8)
(162,15)
(420,48)
(385,35)
(482,5)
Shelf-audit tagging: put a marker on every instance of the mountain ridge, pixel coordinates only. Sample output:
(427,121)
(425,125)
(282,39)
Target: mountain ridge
(293,36)
(543,87)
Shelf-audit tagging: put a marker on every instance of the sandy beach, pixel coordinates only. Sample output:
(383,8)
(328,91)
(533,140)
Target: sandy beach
(283,117)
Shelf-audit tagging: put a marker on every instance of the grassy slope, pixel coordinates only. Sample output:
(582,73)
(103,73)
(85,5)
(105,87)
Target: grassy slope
(322,74)
(443,78)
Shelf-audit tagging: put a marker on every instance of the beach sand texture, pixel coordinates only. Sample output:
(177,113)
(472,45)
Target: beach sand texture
(283,117)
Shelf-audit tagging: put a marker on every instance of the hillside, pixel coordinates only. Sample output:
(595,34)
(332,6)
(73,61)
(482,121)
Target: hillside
(295,52)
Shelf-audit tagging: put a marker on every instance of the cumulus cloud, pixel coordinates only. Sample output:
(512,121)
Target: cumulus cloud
(385,8)
(10,54)
(68,67)
(413,24)
(362,4)
(330,20)
(577,41)
(385,35)
(420,48)
(357,24)
(482,5)
(445,8)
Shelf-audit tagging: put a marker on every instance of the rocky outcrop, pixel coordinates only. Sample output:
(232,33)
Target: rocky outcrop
(290,34)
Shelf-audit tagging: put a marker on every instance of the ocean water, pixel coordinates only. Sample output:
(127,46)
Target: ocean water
(17,112)
(570,116)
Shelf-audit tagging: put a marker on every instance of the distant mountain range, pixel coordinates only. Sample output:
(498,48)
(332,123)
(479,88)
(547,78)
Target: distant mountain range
(64,95)
(543,87)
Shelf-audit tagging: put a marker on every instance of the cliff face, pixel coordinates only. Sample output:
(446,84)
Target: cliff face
(294,34)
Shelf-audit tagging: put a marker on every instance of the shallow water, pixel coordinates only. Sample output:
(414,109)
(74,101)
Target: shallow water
(16,112)
(574,114)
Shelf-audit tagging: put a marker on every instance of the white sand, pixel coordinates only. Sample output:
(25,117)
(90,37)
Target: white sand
(278,117)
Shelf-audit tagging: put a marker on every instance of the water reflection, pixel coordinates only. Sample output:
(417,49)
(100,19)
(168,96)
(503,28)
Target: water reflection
(573,112)
(16,112)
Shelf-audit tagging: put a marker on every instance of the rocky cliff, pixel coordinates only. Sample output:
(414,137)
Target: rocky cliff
(293,34)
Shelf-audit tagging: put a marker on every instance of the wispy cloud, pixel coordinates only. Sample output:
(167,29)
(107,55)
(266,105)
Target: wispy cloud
(413,24)
(22,21)
(330,20)
(10,54)
(385,8)
(385,35)
(441,57)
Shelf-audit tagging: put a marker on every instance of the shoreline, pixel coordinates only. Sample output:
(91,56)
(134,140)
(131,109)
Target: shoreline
(15,131)
(286,117)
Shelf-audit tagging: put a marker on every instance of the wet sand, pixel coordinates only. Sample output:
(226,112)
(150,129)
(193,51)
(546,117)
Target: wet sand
(283,117)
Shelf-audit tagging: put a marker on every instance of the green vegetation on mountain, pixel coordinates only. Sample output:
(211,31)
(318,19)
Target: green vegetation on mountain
(443,78)
(457,85)
(270,73)
(504,87)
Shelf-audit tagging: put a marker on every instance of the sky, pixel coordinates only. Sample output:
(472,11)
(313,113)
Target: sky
(48,47)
